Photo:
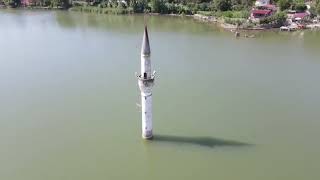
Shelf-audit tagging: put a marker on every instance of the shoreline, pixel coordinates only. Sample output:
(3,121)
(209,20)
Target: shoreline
(199,17)
(221,22)
(226,26)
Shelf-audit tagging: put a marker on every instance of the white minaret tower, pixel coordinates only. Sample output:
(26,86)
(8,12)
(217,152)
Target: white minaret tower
(145,81)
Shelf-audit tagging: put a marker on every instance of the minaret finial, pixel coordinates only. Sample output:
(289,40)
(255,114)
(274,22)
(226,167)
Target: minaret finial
(145,49)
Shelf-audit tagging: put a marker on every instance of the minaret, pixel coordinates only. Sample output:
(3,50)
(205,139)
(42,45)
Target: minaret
(145,81)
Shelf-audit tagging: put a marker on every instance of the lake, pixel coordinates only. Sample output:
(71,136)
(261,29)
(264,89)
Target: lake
(224,108)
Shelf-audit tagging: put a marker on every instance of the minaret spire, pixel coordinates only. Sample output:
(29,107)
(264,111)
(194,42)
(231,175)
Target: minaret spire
(146,81)
(145,48)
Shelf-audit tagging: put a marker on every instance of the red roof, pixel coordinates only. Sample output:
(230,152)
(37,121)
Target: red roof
(271,6)
(26,2)
(300,15)
(261,12)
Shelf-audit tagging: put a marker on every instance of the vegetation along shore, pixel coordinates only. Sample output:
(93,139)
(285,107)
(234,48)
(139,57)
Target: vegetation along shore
(288,15)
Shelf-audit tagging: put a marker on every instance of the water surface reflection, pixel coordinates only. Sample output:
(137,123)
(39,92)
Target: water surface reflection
(200,140)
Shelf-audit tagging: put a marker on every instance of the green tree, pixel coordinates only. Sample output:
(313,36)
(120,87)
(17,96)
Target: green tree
(276,20)
(299,5)
(241,4)
(223,5)
(284,4)
(138,6)
(12,3)
(155,6)
(317,7)
(280,18)
(158,6)
(313,11)
(60,3)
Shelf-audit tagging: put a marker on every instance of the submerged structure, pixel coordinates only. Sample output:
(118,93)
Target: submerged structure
(146,82)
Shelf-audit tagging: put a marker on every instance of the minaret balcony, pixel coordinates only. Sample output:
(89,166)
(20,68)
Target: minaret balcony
(146,83)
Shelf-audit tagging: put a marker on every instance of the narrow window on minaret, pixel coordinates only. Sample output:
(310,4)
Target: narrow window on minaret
(145,75)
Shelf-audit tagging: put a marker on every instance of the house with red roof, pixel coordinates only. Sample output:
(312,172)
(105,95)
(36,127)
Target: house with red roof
(2,4)
(263,10)
(299,16)
(260,13)
(262,2)
(26,2)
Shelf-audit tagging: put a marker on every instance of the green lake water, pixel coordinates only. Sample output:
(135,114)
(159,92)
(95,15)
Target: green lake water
(224,108)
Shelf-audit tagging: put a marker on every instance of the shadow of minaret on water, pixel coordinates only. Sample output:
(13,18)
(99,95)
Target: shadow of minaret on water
(200,141)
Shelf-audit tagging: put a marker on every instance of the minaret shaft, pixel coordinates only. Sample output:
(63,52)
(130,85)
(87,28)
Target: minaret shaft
(146,81)
(145,66)
(146,109)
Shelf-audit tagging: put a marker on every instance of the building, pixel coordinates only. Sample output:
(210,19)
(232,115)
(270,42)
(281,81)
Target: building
(263,10)
(261,2)
(260,13)
(27,2)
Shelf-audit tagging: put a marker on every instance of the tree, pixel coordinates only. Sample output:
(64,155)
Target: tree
(12,3)
(223,5)
(155,6)
(284,4)
(280,18)
(139,6)
(61,3)
(158,6)
(241,4)
(34,2)
(313,11)
(317,7)
(299,5)
(276,20)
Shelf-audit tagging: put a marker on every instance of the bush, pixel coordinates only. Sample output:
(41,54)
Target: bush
(241,4)
(313,11)
(11,3)
(139,6)
(234,14)
(241,14)
(203,7)
(171,8)
(223,5)
(227,14)
(121,9)
(284,4)
(207,13)
(318,9)
(238,7)
(158,6)
(155,6)
(234,21)
(276,20)
(178,9)
(301,7)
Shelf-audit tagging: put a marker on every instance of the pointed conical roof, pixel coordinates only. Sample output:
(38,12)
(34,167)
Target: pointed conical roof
(145,48)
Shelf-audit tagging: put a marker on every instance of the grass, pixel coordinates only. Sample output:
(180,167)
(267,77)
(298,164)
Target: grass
(99,10)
